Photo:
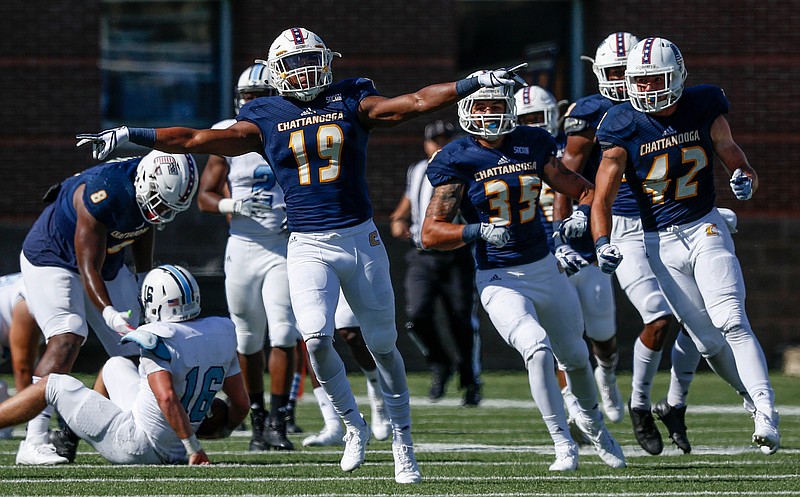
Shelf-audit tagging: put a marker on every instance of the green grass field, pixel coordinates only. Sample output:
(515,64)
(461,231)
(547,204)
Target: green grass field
(497,449)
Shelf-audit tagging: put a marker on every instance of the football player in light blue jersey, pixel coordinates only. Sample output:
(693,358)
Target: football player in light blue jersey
(256,287)
(494,177)
(73,256)
(664,141)
(314,135)
(154,415)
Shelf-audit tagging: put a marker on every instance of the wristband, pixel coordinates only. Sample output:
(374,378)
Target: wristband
(191,444)
(558,240)
(467,86)
(145,137)
(603,240)
(585,208)
(471,232)
(225,205)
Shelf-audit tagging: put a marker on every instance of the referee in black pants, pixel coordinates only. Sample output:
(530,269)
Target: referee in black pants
(447,277)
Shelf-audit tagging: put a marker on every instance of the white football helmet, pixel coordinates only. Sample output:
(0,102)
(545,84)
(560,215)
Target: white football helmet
(170,293)
(299,64)
(253,81)
(542,103)
(612,52)
(488,126)
(654,57)
(165,184)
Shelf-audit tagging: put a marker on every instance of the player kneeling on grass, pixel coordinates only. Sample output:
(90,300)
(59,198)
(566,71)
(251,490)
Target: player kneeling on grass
(155,415)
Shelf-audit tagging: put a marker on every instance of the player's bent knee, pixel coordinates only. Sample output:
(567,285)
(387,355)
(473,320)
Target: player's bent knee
(381,341)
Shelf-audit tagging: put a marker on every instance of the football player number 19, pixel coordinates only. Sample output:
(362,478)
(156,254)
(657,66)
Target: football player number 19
(329,149)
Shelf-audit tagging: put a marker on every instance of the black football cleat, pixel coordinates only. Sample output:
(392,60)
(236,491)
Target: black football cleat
(258,418)
(674,419)
(645,430)
(274,434)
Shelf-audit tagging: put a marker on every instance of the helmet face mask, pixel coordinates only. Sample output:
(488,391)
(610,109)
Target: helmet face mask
(655,58)
(252,84)
(165,185)
(537,107)
(609,64)
(489,126)
(299,64)
(170,293)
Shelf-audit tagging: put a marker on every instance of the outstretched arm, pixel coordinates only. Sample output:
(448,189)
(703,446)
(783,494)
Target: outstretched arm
(238,139)
(376,111)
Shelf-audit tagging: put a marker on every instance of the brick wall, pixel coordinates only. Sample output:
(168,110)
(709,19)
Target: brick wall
(49,90)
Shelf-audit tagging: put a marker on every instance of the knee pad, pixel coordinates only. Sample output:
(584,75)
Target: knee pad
(56,383)
(319,346)
(380,341)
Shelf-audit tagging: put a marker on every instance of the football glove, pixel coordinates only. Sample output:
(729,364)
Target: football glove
(494,234)
(105,142)
(248,206)
(608,258)
(570,260)
(742,185)
(496,78)
(118,321)
(575,225)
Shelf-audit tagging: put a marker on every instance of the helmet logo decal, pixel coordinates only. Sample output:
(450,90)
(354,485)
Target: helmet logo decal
(620,44)
(647,50)
(677,53)
(298,36)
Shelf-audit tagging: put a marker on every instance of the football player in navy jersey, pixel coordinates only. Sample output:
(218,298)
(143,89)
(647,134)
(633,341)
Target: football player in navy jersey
(582,156)
(314,135)
(72,263)
(664,141)
(494,178)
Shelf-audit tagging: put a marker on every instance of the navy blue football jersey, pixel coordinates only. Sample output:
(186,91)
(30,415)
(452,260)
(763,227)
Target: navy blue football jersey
(502,186)
(318,151)
(587,112)
(670,159)
(110,197)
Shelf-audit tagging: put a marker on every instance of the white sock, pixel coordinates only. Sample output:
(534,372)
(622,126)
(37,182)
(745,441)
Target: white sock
(645,367)
(374,389)
(547,395)
(341,396)
(329,416)
(392,374)
(38,426)
(752,367)
(685,358)
(581,384)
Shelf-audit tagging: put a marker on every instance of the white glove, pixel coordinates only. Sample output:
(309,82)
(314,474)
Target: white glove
(496,235)
(570,260)
(496,78)
(742,185)
(608,258)
(105,142)
(574,226)
(248,206)
(118,321)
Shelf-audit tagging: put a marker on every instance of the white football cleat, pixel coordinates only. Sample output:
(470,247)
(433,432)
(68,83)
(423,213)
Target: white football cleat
(327,437)
(606,446)
(39,455)
(766,434)
(613,405)
(355,447)
(566,457)
(406,469)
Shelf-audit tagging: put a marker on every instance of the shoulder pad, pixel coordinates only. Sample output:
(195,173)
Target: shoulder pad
(574,125)
(148,341)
